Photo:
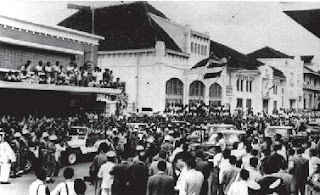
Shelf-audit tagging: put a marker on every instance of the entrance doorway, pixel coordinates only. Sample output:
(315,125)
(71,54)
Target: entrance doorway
(265,104)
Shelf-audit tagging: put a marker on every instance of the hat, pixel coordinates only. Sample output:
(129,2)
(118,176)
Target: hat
(45,134)
(17,134)
(53,137)
(111,154)
(25,131)
(139,148)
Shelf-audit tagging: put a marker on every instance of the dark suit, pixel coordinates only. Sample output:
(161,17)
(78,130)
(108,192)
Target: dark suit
(300,172)
(138,178)
(121,178)
(160,184)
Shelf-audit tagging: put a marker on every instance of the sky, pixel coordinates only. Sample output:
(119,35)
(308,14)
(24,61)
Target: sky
(244,26)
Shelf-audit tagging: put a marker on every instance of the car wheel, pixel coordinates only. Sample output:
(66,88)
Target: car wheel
(72,158)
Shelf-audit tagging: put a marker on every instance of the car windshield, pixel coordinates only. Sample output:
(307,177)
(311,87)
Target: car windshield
(77,131)
(281,131)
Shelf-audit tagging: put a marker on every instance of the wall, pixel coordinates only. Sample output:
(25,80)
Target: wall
(294,85)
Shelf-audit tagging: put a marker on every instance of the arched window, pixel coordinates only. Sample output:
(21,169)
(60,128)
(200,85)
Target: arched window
(174,86)
(196,88)
(215,91)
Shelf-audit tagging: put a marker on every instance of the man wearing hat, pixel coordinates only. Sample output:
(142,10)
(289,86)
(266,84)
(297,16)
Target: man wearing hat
(139,152)
(104,173)
(50,163)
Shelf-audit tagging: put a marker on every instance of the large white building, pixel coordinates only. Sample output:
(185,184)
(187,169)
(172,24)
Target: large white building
(163,62)
(290,90)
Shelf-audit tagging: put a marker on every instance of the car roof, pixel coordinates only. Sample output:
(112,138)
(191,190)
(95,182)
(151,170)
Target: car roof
(79,127)
(231,132)
(220,125)
(279,127)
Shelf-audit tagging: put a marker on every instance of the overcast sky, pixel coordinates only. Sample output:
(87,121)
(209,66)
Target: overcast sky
(245,26)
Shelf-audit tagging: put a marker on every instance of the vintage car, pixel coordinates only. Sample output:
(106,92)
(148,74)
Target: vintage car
(313,129)
(82,141)
(287,133)
(213,128)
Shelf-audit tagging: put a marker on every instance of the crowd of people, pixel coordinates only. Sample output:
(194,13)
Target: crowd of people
(158,159)
(58,74)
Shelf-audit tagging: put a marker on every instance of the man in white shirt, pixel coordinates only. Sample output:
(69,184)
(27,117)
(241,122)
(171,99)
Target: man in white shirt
(240,187)
(104,173)
(7,156)
(183,174)
(194,179)
(66,187)
(38,187)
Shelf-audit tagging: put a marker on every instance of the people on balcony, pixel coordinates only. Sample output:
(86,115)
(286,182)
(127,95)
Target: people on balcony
(57,74)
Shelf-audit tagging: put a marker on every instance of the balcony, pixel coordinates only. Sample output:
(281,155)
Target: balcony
(311,87)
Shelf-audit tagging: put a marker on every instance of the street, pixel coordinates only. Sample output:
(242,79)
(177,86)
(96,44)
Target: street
(20,185)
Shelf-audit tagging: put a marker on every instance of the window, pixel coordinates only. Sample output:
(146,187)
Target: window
(191,47)
(241,85)
(250,86)
(199,48)
(248,103)
(174,87)
(239,103)
(247,85)
(275,89)
(205,50)
(215,91)
(238,85)
(195,48)
(196,88)
(275,105)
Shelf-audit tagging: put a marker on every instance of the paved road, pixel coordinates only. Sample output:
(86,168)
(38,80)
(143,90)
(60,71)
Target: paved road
(20,185)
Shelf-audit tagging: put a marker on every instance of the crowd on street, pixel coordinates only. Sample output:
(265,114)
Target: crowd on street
(157,159)
(58,74)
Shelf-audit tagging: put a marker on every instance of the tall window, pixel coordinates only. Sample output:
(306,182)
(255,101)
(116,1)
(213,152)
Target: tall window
(215,91)
(241,85)
(247,85)
(275,89)
(238,85)
(250,86)
(199,48)
(239,103)
(195,47)
(174,87)
(196,88)
(192,47)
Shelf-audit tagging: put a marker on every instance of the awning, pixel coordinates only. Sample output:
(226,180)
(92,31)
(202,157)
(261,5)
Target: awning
(62,88)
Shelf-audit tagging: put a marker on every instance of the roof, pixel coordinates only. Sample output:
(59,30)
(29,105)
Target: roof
(235,59)
(309,19)
(277,72)
(268,52)
(125,26)
(308,70)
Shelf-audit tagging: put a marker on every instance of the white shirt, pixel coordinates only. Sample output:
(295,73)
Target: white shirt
(37,188)
(313,164)
(62,190)
(104,173)
(6,153)
(181,183)
(238,188)
(193,182)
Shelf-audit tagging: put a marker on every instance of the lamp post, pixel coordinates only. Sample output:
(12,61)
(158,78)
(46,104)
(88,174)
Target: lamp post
(86,8)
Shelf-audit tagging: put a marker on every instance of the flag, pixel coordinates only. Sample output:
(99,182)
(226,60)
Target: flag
(212,75)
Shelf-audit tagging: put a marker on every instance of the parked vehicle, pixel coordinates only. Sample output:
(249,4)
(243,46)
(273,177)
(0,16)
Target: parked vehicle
(287,133)
(82,141)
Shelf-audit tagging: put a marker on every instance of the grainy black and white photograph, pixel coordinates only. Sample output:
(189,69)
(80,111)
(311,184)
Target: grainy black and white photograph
(159,98)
